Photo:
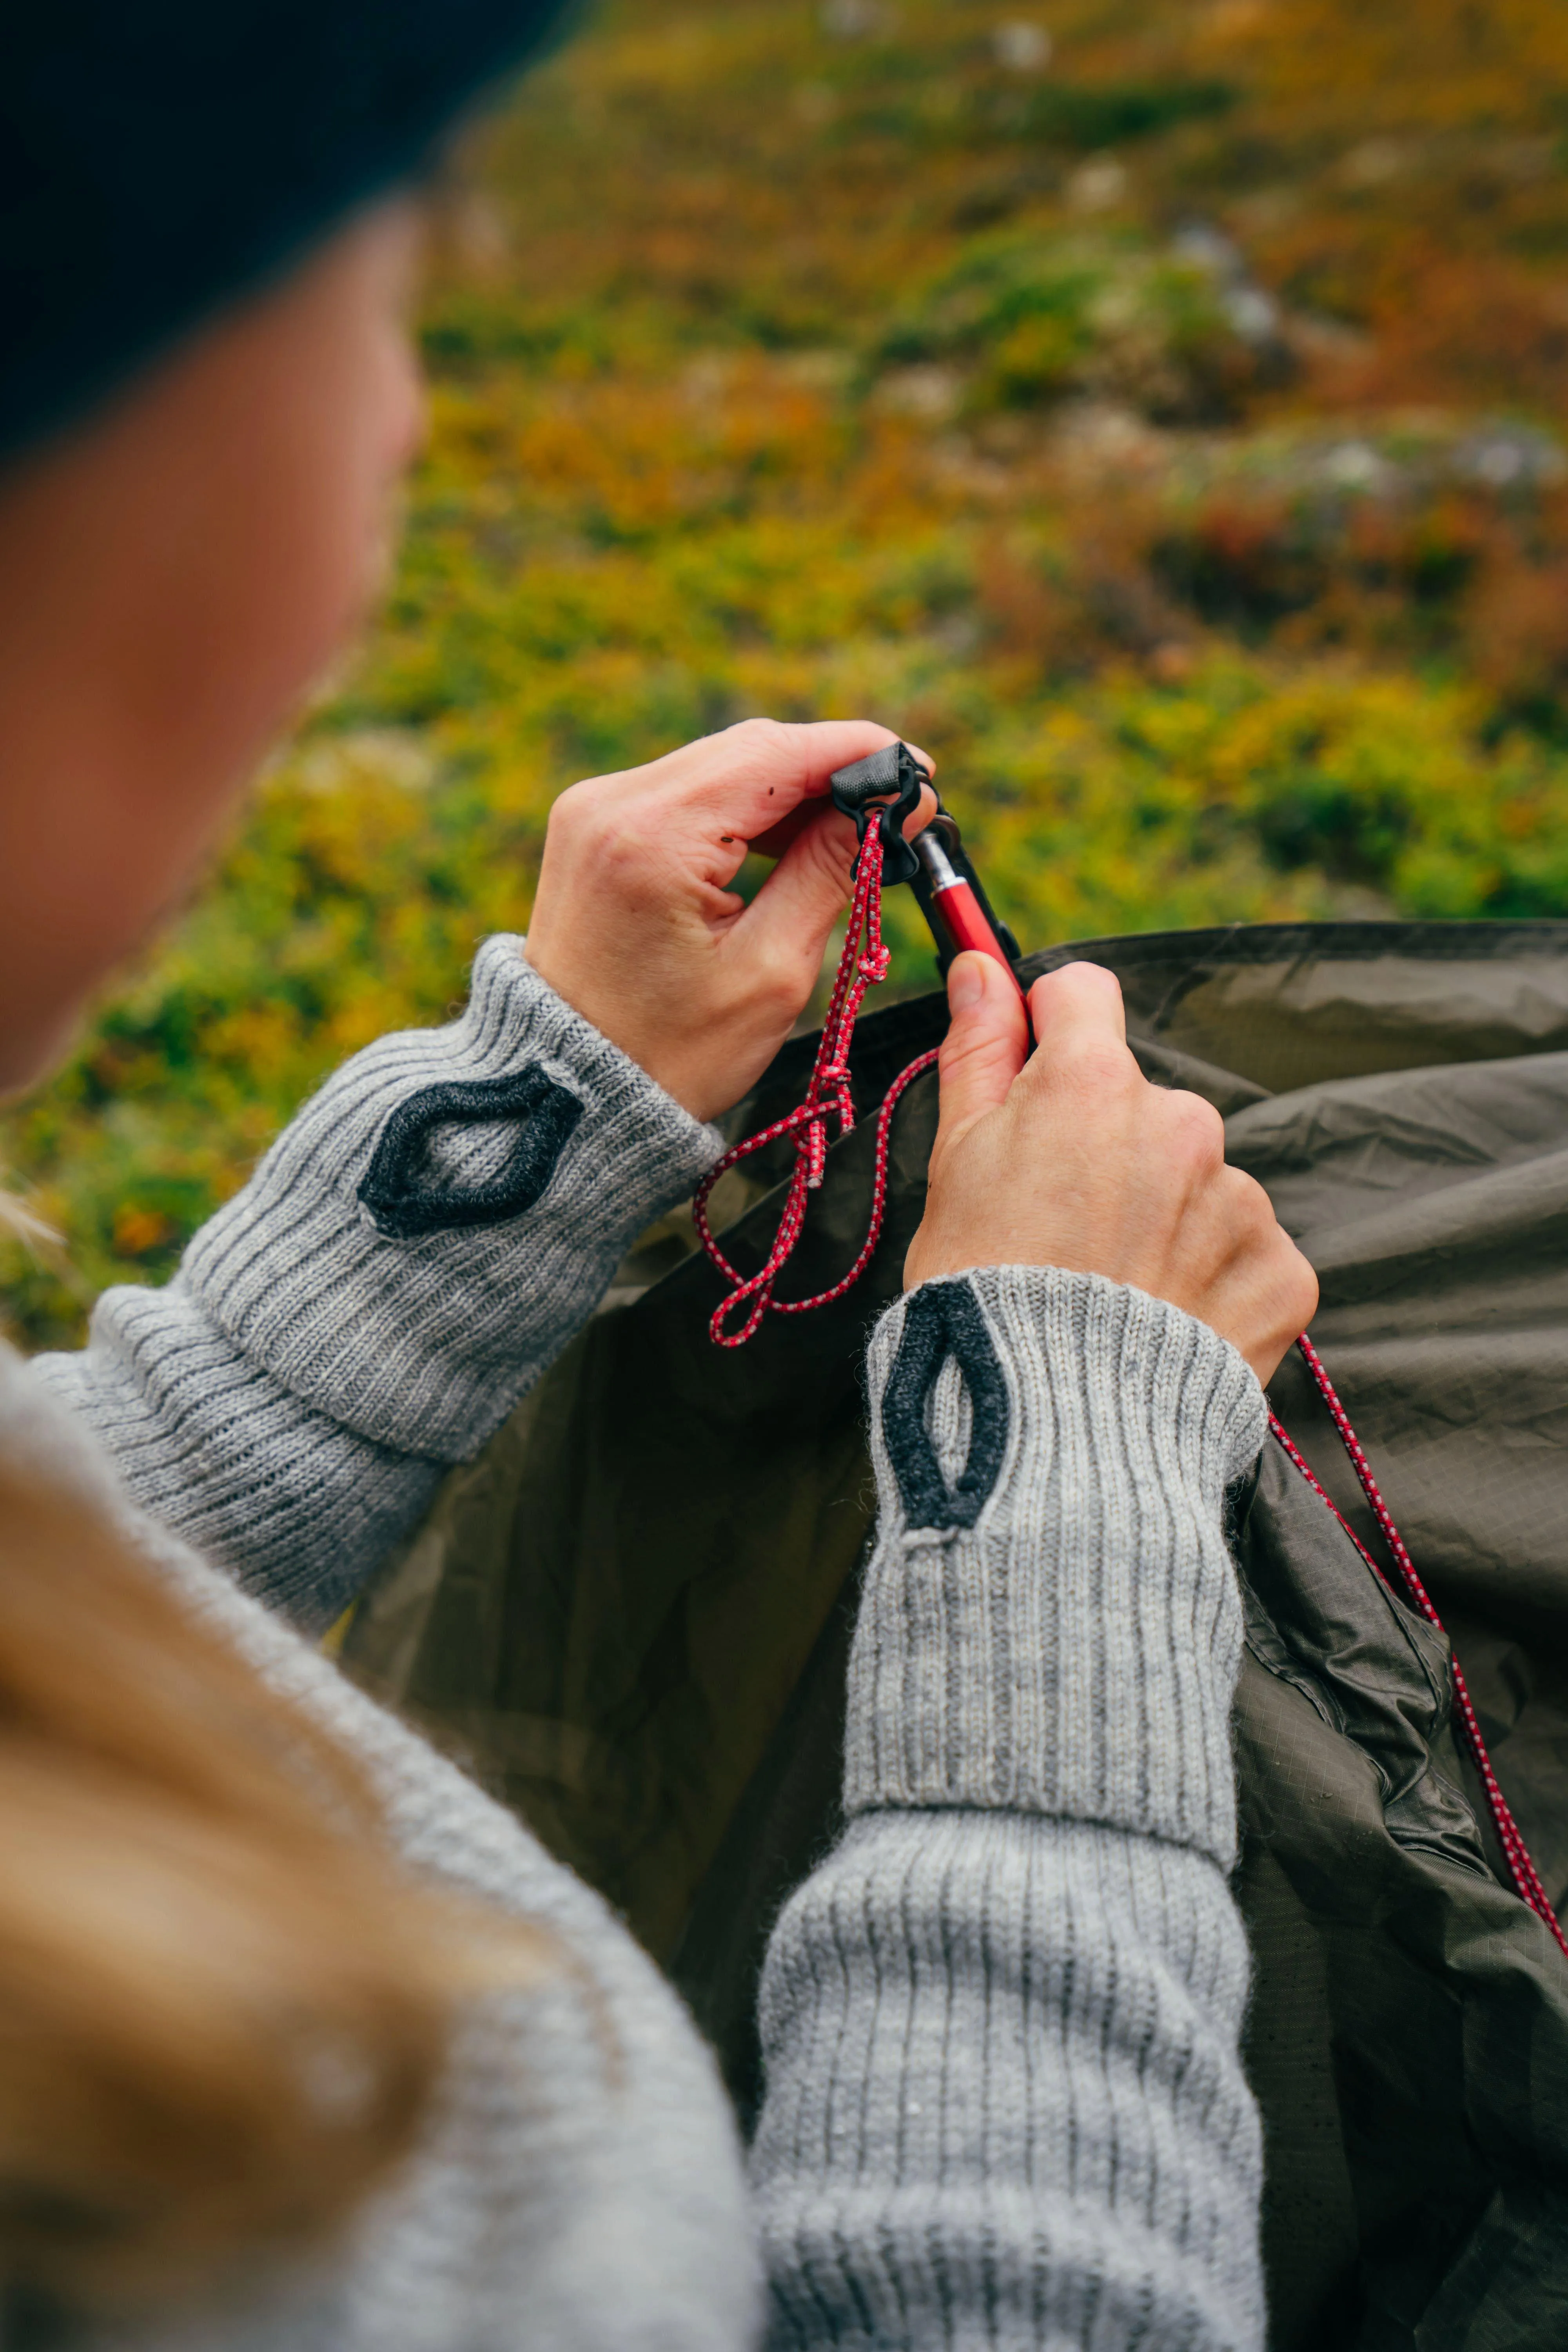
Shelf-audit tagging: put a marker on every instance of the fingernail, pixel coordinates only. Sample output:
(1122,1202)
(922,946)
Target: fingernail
(965,982)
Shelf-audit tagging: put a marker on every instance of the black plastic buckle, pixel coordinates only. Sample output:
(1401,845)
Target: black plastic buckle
(862,790)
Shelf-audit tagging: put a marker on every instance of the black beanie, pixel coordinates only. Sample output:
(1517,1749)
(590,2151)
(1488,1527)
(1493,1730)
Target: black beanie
(157,157)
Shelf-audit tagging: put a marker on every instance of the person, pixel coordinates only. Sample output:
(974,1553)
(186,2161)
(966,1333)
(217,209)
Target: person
(307,2042)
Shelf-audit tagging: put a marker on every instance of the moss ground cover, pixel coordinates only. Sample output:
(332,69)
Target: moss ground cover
(1152,411)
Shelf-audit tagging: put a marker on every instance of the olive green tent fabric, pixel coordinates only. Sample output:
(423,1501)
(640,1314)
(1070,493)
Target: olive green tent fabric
(632,1615)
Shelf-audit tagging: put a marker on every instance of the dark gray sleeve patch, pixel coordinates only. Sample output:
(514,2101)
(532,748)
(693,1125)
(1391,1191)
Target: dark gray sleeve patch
(943,1319)
(404,1205)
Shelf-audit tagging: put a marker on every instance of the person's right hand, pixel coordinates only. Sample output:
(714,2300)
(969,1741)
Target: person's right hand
(1074,1159)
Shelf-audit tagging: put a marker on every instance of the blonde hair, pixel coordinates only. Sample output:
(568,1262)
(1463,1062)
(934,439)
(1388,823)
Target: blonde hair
(20,1224)
(18,1219)
(222,2009)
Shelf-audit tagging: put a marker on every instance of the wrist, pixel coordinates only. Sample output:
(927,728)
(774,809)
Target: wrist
(627,1019)
(704,1056)
(1051,1621)
(444,1214)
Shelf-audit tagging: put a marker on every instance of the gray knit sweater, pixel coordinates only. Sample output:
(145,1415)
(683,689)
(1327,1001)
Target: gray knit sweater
(1005,2103)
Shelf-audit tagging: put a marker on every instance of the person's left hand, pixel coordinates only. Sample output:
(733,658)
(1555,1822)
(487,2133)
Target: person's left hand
(634,923)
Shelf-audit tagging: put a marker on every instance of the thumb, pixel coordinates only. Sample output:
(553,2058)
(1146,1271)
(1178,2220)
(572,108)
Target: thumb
(791,916)
(808,889)
(985,1044)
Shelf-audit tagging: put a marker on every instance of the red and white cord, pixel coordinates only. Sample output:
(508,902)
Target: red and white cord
(827,1096)
(1522,1869)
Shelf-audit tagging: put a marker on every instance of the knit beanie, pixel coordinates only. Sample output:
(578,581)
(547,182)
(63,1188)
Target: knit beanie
(159,157)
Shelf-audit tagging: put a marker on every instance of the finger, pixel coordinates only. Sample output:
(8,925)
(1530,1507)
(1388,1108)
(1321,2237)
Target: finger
(809,887)
(1191,1138)
(751,777)
(1291,1304)
(778,837)
(925,810)
(1268,1291)
(788,921)
(754,775)
(986,1041)
(1078,1004)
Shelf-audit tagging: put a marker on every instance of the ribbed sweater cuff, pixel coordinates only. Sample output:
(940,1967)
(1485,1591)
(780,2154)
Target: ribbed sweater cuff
(1050,1621)
(423,1339)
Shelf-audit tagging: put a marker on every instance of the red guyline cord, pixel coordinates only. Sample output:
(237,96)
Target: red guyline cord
(827,1096)
(1522,1869)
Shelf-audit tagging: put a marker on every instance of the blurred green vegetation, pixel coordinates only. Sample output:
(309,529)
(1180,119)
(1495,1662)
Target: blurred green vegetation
(1152,411)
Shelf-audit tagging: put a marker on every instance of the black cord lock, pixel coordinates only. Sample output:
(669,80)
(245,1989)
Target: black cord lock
(886,784)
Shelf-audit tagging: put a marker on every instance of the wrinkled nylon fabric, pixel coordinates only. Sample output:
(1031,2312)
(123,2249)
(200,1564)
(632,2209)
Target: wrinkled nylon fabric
(632,1614)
